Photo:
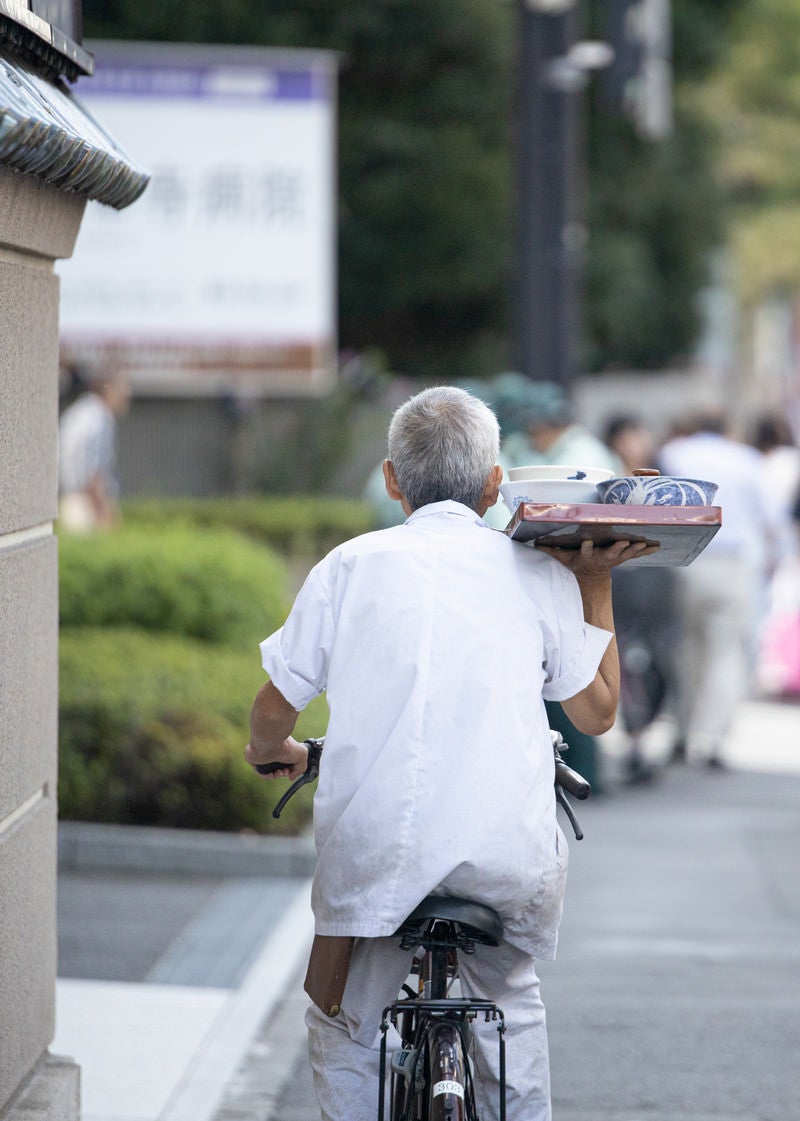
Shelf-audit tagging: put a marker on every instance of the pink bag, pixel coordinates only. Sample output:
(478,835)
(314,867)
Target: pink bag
(779,669)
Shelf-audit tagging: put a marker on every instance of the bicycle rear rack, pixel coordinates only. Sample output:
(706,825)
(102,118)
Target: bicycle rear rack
(458,1010)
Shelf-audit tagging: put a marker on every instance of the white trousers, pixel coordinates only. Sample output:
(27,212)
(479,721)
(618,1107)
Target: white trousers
(344,1051)
(718,597)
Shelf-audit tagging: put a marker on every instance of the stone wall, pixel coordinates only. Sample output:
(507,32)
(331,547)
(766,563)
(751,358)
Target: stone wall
(38,224)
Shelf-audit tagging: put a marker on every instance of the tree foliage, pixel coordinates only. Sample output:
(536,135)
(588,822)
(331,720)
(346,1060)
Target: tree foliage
(755,100)
(654,207)
(426,174)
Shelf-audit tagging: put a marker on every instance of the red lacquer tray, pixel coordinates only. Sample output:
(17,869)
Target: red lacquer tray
(682,532)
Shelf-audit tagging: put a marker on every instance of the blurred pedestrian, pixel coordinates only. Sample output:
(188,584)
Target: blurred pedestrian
(778,670)
(720,591)
(773,437)
(73,382)
(632,441)
(87,451)
(549,432)
(648,621)
(546,431)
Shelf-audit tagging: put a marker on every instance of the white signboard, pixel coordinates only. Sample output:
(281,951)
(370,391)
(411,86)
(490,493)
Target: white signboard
(223,271)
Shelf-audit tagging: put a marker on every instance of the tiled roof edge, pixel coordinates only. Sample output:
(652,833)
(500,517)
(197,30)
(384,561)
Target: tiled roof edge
(46,131)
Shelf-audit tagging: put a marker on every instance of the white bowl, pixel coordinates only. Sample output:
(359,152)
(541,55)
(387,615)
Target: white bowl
(551,471)
(548,490)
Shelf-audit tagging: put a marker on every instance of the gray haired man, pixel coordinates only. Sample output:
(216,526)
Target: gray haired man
(437,642)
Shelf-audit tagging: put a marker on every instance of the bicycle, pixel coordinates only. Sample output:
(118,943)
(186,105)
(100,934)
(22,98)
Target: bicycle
(431,1073)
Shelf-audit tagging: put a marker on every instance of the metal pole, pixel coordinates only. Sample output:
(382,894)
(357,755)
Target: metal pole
(548,242)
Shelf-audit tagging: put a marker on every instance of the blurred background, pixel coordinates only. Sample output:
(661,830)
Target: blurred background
(466,191)
(350,200)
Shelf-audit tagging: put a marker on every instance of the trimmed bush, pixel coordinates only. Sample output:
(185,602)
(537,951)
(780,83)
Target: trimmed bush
(211,584)
(152,729)
(295,526)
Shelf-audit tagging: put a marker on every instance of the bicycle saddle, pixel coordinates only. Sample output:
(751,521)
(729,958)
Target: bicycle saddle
(478,922)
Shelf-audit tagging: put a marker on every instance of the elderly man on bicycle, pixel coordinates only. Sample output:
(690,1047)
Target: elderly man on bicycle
(437,643)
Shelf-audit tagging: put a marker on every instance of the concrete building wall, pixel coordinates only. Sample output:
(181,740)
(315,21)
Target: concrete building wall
(38,224)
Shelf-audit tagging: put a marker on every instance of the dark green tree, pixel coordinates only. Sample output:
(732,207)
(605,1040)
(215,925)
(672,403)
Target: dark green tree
(426,175)
(654,207)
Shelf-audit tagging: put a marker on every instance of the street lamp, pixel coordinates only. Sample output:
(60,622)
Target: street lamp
(550,238)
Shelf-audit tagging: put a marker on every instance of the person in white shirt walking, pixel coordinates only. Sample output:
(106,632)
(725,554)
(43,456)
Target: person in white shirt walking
(720,595)
(437,642)
(87,446)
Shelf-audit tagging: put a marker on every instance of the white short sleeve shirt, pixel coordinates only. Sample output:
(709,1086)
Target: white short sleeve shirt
(436,642)
(87,445)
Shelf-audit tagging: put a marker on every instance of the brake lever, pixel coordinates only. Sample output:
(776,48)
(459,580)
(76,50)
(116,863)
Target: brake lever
(568,781)
(567,808)
(309,774)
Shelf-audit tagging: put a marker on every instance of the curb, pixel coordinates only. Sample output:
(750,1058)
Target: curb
(218,1061)
(84,846)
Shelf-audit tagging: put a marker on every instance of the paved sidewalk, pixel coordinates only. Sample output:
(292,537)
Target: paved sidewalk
(182,957)
(173,947)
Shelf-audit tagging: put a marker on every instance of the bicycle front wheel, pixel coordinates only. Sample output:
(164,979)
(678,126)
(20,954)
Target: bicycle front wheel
(448,1085)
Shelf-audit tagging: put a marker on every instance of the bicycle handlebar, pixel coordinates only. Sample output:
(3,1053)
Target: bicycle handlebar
(309,774)
(569,780)
(565,778)
(573,783)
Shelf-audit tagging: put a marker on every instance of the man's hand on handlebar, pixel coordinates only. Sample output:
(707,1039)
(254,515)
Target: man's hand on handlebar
(291,762)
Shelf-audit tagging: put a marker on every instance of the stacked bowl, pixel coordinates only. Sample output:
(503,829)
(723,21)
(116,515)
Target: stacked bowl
(567,484)
(553,483)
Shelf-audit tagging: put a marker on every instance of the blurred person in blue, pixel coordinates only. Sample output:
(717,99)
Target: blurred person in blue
(720,593)
(87,455)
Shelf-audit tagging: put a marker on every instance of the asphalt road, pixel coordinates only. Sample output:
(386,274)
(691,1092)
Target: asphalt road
(677,987)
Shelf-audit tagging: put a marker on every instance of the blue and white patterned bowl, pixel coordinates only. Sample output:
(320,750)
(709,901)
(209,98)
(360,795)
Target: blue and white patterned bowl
(657,490)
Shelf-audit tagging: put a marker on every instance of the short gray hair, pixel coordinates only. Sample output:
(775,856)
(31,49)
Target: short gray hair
(443,443)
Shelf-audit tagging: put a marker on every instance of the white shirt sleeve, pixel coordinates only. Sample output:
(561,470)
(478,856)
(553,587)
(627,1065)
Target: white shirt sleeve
(573,647)
(581,672)
(296,656)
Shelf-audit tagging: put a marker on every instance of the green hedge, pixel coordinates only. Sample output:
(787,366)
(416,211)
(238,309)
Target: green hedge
(152,729)
(160,625)
(295,526)
(211,584)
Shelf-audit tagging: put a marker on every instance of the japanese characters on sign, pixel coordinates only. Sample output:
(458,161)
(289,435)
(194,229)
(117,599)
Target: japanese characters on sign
(223,272)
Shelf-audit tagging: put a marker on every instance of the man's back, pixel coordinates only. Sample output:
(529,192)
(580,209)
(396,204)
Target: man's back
(436,641)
